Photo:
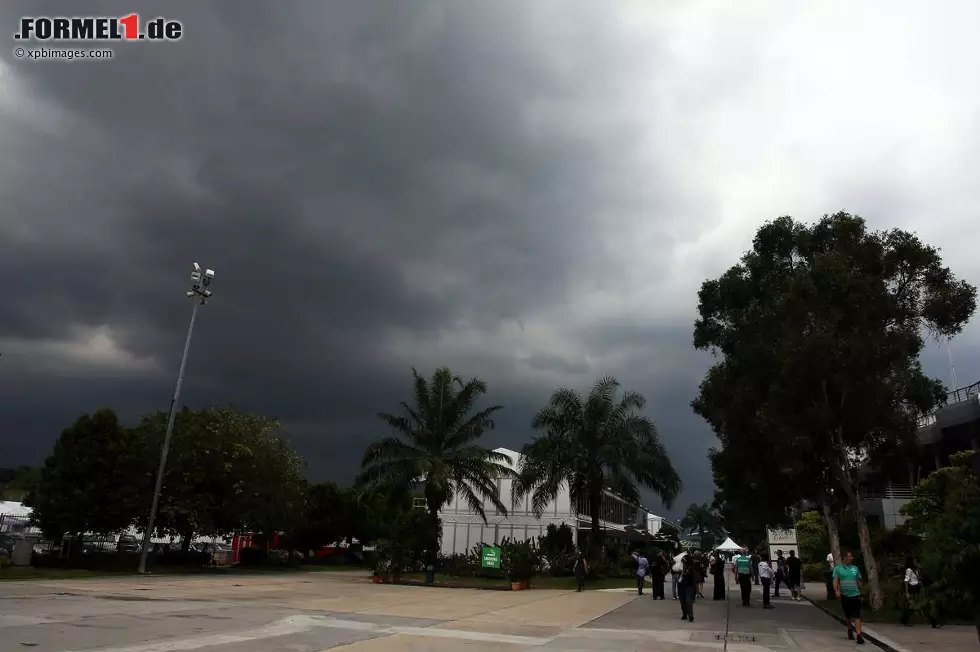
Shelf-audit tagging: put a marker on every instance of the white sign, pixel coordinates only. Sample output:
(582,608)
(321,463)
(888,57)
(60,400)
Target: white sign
(773,549)
(781,537)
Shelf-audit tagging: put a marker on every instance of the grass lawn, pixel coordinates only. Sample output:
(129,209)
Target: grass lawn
(559,583)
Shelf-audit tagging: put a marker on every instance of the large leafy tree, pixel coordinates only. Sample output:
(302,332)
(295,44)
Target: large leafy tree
(16,484)
(591,443)
(823,326)
(752,493)
(91,480)
(705,521)
(945,512)
(436,448)
(327,514)
(227,470)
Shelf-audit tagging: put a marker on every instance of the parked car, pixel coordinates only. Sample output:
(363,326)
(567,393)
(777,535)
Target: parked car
(128,543)
(7,542)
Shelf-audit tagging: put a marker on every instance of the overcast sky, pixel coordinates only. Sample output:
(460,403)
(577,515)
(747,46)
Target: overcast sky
(529,192)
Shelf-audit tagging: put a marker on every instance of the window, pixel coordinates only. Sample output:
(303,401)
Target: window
(418,503)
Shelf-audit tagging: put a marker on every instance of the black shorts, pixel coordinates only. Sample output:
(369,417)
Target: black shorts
(851,607)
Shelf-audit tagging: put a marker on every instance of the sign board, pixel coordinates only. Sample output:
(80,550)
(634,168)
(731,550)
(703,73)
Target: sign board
(775,537)
(784,540)
(490,557)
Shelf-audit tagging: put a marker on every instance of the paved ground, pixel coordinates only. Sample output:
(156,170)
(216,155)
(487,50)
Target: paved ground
(345,612)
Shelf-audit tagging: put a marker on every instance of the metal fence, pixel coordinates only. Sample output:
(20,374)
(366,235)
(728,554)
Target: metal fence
(961,395)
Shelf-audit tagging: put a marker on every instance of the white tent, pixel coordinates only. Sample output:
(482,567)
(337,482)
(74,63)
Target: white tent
(729,546)
(13,509)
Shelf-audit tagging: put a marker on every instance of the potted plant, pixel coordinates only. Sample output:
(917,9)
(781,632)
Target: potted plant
(519,559)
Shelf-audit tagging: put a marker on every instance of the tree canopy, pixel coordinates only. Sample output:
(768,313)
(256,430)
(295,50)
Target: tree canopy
(92,481)
(705,522)
(945,512)
(818,330)
(228,470)
(593,443)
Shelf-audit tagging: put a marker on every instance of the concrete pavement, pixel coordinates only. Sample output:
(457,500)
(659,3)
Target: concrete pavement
(310,612)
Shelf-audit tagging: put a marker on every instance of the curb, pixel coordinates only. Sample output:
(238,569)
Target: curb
(873,639)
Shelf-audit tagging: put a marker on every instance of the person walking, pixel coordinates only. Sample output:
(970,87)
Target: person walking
(794,574)
(675,576)
(765,576)
(660,575)
(718,571)
(755,567)
(913,587)
(581,570)
(743,574)
(700,572)
(687,587)
(847,588)
(779,576)
(642,566)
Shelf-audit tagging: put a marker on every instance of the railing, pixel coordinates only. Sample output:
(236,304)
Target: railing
(893,492)
(960,395)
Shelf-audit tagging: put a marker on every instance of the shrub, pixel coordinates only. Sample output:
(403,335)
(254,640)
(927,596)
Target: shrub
(5,561)
(558,549)
(459,565)
(252,556)
(813,572)
(520,560)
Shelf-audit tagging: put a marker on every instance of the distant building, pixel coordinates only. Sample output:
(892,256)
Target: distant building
(462,528)
(951,428)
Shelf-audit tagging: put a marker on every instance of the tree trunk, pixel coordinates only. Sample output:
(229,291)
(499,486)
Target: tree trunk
(833,532)
(870,564)
(431,555)
(595,537)
(185,544)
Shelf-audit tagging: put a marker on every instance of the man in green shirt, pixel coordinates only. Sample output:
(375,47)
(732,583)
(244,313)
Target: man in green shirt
(743,573)
(847,587)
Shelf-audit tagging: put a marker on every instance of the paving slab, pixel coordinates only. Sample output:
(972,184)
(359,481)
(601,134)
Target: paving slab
(304,613)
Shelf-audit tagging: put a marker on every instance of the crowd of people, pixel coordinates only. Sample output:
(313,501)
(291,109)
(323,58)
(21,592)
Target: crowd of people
(688,574)
(690,570)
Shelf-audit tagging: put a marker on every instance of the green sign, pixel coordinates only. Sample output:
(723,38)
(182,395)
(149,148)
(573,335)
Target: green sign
(490,557)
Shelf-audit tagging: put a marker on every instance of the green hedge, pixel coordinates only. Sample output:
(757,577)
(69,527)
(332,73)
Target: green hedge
(118,561)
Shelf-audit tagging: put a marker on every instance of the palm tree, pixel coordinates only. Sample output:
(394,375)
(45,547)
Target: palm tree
(705,521)
(591,444)
(436,448)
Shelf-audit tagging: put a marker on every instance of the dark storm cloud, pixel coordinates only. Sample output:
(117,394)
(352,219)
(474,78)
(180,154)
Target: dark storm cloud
(348,168)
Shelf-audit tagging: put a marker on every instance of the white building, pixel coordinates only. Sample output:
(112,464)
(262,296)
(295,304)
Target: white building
(462,528)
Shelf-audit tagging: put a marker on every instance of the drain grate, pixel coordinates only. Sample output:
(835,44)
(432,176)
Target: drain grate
(765,640)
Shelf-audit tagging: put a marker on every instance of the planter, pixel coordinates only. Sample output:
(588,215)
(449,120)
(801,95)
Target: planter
(525,586)
(516,586)
(376,579)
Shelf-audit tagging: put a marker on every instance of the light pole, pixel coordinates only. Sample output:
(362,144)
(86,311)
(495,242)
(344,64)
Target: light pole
(200,295)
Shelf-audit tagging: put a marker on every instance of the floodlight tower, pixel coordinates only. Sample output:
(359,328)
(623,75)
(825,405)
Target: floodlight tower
(199,293)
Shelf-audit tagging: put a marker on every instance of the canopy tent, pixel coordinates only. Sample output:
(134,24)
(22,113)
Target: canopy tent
(729,546)
(16,510)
